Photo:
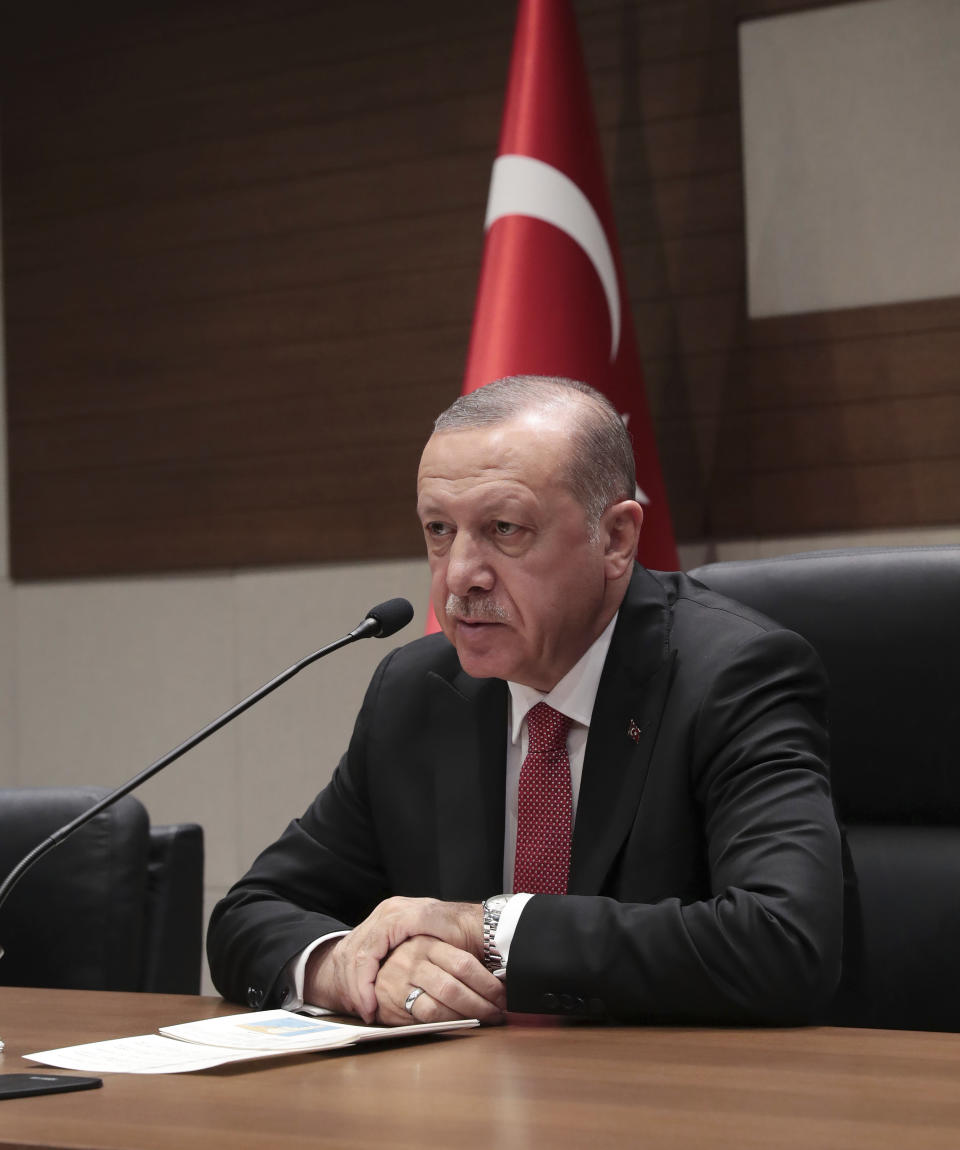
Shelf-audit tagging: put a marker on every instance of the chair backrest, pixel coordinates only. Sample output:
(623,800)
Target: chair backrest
(886,623)
(116,906)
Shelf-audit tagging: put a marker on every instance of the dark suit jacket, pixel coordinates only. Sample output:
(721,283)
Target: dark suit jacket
(705,880)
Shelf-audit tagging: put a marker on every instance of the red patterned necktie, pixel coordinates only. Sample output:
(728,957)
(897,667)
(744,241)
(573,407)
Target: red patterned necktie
(544,806)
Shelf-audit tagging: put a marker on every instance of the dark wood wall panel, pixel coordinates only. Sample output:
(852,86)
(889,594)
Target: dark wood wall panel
(241,246)
(830,422)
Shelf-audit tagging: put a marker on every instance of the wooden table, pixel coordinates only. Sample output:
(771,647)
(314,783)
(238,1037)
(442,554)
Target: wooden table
(524,1085)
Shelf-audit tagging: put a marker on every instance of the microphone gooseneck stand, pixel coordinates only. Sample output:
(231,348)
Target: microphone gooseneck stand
(380,622)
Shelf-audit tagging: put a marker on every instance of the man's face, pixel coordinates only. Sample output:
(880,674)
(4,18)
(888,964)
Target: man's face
(518,585)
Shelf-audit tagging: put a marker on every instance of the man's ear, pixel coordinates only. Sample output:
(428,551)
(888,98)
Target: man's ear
(620,531)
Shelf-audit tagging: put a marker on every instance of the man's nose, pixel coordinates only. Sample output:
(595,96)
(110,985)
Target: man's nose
(468,570)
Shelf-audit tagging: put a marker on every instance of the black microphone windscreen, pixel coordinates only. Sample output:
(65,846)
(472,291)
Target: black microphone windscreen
(391,616)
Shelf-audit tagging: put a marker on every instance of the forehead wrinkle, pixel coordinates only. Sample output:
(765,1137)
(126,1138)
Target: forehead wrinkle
(487,498)
(450,467)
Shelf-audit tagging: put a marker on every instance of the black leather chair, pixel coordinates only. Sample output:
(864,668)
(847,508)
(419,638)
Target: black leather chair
(117,906)
(886,622)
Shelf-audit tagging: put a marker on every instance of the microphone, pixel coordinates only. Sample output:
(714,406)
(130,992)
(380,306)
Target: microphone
(380,622)
(384,620)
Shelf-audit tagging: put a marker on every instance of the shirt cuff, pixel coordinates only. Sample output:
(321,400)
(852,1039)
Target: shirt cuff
(291,980)
(506,927)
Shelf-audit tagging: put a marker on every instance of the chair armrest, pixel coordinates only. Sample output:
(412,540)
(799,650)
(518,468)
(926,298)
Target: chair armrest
(174,919)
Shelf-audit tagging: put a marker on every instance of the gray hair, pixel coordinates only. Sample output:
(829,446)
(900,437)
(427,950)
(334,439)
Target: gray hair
(600,470)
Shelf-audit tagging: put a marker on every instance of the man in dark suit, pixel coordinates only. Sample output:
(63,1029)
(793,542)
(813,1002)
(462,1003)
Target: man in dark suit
(677,735)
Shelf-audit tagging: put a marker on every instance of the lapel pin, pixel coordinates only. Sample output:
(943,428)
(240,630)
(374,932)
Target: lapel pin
(634,731)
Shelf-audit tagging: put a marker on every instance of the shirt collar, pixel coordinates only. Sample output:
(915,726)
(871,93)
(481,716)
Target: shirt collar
(576,692)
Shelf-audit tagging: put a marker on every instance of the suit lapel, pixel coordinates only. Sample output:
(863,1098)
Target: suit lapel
(468,731)
(623,728)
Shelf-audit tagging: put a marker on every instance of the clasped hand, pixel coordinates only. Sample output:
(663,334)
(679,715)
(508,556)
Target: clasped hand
(407,943)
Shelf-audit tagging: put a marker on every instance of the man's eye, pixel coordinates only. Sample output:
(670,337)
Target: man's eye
(437,529)
(502,527)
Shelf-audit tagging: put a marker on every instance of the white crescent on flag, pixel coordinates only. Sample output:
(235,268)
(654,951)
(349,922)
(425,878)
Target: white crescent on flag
(523,186)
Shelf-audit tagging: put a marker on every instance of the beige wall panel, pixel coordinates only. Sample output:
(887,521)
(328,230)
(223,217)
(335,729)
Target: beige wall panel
(110,675)
(852,166)
(291,742)
(9,775)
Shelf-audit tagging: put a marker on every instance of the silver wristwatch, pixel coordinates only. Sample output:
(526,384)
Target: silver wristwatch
(492,909)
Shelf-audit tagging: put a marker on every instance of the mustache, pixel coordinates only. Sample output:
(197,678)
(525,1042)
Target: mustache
(476,607)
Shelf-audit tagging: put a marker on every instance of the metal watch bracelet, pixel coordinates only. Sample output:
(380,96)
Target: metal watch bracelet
(492,908)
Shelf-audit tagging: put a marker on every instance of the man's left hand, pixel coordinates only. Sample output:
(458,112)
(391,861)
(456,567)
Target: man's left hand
(455,985)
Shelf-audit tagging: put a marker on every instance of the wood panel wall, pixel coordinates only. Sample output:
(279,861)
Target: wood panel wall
(241,245)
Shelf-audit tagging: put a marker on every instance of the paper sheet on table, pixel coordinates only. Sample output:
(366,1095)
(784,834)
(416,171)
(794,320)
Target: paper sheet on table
(144,1054)
(235,1038)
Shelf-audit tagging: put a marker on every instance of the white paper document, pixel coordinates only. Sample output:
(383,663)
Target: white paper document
(217,1041)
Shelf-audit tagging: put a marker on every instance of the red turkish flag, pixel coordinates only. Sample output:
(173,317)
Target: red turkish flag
(552,298)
